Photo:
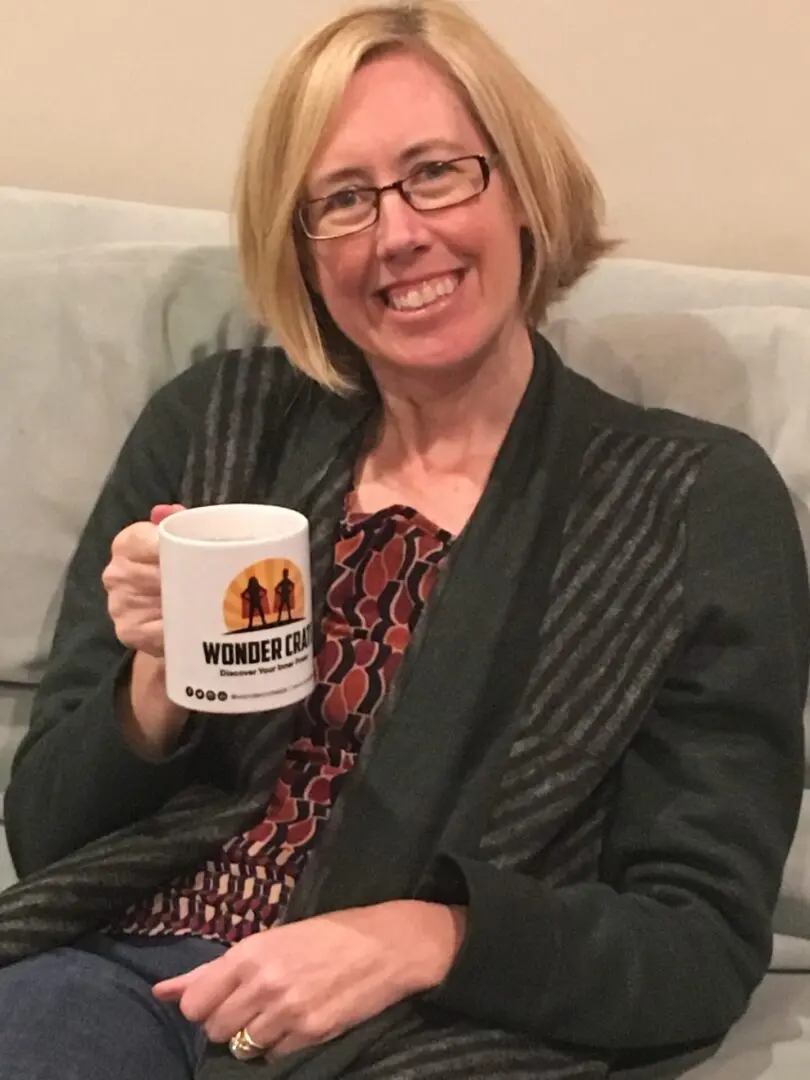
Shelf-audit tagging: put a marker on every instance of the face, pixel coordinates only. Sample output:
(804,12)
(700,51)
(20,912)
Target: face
(418,290)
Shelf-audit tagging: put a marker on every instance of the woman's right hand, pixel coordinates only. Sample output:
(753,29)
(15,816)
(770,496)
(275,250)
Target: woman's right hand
(152,723)
(132,581)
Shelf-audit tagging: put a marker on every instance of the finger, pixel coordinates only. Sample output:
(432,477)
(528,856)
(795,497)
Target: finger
(283,1029)
(178,984)
(170,989)
(133,580)
(137,543)
(164,510)
(209,991)
(146,637)
(132,609)
(288,1042)
(239,1010)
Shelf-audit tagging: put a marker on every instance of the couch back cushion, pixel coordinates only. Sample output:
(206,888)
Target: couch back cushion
(86,335)
(746,367)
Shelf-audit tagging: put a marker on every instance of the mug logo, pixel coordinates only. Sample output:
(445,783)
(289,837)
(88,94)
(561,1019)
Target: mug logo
(267,595)
(264,595)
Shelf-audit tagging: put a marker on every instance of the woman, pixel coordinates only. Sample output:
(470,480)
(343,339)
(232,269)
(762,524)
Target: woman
(533,820)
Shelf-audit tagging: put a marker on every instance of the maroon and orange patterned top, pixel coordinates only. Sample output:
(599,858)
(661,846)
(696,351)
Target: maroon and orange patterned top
(385,567)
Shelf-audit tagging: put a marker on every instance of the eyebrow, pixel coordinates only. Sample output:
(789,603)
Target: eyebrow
(407,157)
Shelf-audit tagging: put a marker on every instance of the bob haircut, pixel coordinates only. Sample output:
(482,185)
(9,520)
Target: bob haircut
(552,186)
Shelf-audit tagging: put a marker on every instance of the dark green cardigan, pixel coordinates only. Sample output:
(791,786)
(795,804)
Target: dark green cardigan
(602,756)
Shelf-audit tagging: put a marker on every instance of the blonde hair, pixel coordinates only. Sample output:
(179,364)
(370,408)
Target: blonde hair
(553,187)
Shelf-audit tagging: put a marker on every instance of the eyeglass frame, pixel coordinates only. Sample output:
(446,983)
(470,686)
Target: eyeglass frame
(486,162)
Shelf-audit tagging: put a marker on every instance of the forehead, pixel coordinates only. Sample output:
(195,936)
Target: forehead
(393,102)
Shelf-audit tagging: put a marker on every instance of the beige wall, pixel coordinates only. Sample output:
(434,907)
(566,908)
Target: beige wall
(694,112)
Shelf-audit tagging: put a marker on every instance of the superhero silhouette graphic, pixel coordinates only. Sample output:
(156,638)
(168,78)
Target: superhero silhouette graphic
(254,602)
(267,595)
(284,597)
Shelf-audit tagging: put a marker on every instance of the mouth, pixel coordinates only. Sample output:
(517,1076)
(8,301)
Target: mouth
(408,299)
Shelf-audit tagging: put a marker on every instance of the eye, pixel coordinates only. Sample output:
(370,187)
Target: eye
(345,199)
(433,170)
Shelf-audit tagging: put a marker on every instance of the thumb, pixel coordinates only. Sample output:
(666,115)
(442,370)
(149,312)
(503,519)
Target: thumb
(164,510)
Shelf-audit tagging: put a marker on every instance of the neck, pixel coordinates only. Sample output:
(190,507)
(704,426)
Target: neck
(452,421)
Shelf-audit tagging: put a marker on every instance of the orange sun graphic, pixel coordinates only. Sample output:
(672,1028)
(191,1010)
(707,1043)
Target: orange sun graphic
(264,594)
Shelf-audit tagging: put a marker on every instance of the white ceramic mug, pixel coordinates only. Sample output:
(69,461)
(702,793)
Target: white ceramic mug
(237,607)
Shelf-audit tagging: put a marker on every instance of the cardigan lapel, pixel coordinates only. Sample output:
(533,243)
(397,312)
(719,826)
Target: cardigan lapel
(456,693)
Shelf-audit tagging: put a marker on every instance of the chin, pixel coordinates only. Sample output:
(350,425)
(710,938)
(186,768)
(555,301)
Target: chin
(434,356)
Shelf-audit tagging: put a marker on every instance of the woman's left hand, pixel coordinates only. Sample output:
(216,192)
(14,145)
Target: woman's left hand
(304,983)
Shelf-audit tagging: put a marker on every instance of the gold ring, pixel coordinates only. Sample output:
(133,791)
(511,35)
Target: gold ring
(245,1048)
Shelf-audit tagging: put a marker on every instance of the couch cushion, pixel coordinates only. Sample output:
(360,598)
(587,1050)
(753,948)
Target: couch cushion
(793,910)
(644,286)
(47,220)
(85,336)
(748,368)
(790,953)
(772,1041)
(15,708)
(7,875)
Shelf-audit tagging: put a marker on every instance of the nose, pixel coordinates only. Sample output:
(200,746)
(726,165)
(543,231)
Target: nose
(400,228)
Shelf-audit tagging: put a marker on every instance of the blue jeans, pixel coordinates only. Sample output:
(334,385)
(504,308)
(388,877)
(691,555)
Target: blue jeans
(86,1012)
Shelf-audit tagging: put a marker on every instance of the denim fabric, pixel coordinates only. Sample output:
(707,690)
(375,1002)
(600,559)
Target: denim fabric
(86,1012)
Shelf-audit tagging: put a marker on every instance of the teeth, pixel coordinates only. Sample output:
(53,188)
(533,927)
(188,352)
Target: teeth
(421,297)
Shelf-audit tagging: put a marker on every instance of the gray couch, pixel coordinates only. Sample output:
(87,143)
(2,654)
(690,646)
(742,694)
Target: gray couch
(101,302)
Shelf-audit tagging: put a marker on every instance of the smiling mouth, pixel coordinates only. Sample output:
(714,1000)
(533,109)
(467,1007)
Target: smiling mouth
(419,297)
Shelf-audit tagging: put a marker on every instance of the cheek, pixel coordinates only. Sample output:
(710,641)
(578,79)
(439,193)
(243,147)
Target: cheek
(489,238)
(341,271)
(505,261)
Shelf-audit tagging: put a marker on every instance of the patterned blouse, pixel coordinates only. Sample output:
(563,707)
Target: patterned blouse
(385,567)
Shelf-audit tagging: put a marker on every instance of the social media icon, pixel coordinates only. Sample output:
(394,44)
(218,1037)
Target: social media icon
(189,691)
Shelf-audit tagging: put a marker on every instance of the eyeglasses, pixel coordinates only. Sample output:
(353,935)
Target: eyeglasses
(433,185)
